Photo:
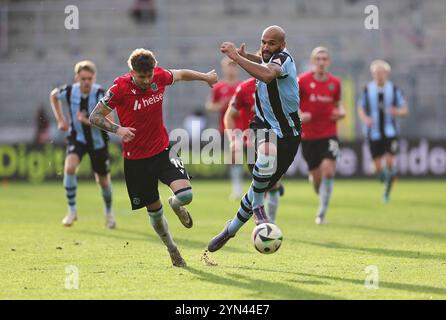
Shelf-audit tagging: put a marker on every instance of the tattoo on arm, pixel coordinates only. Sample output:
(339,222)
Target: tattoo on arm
(98,118)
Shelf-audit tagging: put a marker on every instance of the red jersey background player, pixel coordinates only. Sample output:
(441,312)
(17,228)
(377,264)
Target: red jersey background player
(223,91)
(138,99)
(218,101)
(320,109)
(242,106)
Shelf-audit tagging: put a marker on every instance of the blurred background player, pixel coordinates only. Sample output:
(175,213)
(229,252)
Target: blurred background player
(242,106)
(380,104)
(218,101)
(277,105)
(81,98)
(321,108)
(138,99)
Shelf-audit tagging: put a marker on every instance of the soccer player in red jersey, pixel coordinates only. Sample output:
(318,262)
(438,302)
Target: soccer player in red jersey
(320,109)
(242,106)
(218,101)
(138,99)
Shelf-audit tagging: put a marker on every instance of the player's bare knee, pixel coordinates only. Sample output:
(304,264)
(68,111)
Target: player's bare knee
(154,206)
(103,181)
(71,170)
(102,178)
(328,174)
(184,196)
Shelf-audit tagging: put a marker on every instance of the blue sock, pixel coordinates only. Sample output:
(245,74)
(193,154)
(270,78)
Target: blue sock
(107,196)
(389,174)
(244,213)
(70,184)
(261,176)
(272,204)
(325,190)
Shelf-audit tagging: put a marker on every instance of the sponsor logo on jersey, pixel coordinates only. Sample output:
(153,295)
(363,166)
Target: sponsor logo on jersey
(137,105)
(321,98)
(147,102)
(278,61)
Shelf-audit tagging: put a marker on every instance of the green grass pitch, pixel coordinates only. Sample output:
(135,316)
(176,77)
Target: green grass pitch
(405,240)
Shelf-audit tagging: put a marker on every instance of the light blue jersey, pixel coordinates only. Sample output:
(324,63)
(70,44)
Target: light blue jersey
(384,124)
(277,103)
(89,135)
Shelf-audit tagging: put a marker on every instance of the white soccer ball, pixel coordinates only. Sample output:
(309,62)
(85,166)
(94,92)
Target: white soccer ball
(267,238)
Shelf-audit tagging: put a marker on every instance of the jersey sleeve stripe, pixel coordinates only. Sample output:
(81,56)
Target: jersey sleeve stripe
(173,78)
(106,105)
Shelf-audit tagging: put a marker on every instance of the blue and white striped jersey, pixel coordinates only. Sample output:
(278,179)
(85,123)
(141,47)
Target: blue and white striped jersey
(89,135)
(277,103)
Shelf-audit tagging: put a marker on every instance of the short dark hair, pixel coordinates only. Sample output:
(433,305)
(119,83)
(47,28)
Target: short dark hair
(142,60)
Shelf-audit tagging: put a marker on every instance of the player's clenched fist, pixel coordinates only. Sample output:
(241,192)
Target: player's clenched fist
(126,133)
(212,78)
(62,125)
(229,49)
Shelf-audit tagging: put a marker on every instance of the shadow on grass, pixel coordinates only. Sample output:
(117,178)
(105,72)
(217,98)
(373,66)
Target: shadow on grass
(134,235)
(383,284)
(380,251)
(262,289)
(419,233)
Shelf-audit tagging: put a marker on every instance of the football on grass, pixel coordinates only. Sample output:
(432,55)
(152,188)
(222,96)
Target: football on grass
(267,238)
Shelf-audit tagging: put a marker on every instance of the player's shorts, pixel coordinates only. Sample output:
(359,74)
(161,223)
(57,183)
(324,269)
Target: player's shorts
(100,159)
(286,152)
(142,175)
(315,151)
(380,147)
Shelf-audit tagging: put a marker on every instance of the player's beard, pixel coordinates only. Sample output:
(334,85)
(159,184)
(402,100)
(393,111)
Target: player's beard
(266,59)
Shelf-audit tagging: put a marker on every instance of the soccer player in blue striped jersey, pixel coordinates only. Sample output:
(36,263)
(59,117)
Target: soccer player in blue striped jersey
(277,120)
(380,104)
(81,98)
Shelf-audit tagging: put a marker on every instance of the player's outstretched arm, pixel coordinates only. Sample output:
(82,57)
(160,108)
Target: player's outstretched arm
(190,75)
(230,115)
(99,119)
(263,73)
(56,105)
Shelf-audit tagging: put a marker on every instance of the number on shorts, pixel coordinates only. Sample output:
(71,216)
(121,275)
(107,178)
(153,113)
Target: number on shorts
(333,147)
(178,163)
